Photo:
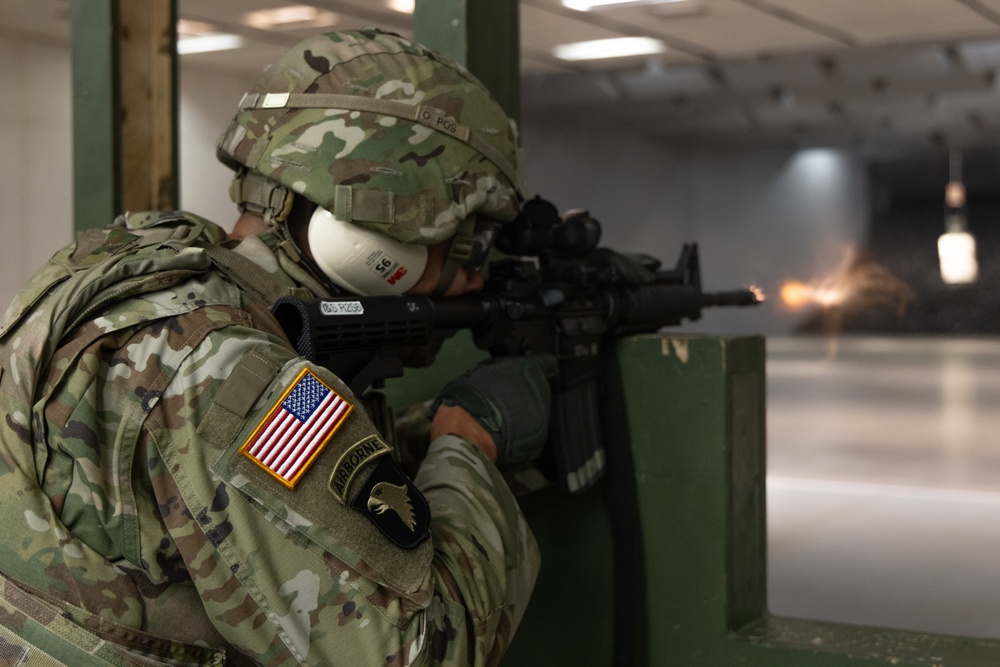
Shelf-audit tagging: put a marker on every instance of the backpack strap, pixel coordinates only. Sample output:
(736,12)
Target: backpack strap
(251,276)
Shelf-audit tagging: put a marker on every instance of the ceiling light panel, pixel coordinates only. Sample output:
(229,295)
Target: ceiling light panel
(206,43)
(290,17)
(677,10)
(617,47)
(589,5)
(541,31)
(402,6)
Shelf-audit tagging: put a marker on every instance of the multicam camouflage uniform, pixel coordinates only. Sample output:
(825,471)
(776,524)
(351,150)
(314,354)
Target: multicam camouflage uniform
(133,370)
(139,368)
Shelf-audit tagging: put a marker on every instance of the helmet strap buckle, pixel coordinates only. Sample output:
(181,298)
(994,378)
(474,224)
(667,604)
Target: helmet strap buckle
(261,196)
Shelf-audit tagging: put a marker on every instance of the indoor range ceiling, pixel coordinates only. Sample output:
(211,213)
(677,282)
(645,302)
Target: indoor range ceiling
(809,72)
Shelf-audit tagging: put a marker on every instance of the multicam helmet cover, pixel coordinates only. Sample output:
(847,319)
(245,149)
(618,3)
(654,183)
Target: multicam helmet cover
(380,131)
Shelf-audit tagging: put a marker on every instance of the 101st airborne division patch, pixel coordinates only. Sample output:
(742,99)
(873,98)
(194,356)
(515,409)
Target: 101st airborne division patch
(383,493)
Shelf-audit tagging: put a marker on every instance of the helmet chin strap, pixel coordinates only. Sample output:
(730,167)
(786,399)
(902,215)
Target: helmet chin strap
(297,264)
(294,268)
(458,252)
(272,201)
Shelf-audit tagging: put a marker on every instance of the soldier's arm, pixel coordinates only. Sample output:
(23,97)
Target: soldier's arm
(314,572)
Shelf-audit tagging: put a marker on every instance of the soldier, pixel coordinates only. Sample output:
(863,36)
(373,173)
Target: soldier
(179,487)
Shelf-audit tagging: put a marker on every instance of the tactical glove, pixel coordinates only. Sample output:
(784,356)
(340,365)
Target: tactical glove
(511,399)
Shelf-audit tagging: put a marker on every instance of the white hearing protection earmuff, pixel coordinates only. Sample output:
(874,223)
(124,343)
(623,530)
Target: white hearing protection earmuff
(362,261)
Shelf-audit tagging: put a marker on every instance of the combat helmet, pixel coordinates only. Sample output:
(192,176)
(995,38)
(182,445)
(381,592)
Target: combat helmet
(383,135)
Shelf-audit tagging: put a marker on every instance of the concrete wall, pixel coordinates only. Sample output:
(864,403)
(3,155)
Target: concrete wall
(759,217)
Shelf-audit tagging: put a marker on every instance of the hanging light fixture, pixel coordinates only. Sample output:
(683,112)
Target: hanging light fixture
(956,247)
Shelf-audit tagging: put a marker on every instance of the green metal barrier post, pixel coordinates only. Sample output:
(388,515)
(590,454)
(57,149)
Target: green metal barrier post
(696,412)
(96,140)
(482,35)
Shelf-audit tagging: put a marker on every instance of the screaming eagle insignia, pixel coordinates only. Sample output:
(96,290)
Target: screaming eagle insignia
(368,481)
(386,496)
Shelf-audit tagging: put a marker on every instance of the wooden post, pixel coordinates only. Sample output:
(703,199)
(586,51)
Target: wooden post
(148,104)
(124,108)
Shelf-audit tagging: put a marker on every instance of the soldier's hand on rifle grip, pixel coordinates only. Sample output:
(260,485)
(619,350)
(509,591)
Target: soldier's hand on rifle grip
(508,399)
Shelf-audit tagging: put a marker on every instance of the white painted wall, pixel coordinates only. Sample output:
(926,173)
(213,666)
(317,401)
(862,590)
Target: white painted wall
(208,101)
(758,216)
(35,159)
(36,172)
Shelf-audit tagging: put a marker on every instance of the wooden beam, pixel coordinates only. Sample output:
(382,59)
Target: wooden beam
(147,43)
(124,108)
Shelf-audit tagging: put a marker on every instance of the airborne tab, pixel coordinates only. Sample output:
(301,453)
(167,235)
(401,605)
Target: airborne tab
(382,493)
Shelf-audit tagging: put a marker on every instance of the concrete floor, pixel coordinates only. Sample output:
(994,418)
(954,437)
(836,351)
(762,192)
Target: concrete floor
(884,482)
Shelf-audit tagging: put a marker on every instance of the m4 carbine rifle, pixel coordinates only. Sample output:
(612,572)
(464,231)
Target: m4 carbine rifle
(557,293)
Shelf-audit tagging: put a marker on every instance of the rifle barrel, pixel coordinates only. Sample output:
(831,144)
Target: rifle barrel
(744,297)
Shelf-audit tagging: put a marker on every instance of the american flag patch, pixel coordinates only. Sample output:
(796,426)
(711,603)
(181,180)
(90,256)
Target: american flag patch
(296,429)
